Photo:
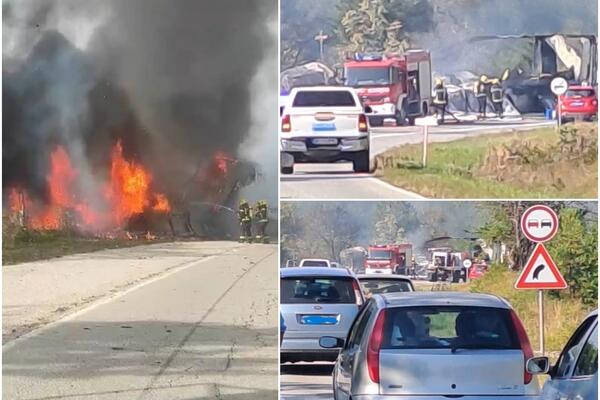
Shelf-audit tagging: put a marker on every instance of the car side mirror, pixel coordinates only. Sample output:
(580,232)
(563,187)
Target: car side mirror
(368,109)
(538,365)
(281,110)
(330,342)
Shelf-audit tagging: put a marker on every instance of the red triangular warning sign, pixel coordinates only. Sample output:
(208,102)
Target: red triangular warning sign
(540,272)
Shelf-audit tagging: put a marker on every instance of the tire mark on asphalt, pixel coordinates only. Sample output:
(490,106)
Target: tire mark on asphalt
(187,337)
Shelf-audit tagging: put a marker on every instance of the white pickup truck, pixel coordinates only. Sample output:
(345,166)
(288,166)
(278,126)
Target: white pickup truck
(324,124)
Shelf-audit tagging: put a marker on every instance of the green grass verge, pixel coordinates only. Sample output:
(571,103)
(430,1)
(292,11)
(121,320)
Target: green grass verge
(40,245)
(452,170)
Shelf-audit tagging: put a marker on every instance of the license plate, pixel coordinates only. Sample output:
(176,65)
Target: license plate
(325,141)
(319,319)
(323,126)
(577,104)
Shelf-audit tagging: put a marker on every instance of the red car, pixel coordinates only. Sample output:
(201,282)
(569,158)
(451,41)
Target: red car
(477,270)
(579,102)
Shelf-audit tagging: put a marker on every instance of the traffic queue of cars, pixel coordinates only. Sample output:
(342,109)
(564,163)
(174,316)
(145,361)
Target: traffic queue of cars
(389,341)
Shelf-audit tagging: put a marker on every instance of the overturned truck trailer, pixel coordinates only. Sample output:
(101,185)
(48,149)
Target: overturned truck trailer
(572,56)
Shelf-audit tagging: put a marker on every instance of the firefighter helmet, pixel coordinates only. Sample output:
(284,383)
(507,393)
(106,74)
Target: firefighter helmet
(438,81)
(483,78)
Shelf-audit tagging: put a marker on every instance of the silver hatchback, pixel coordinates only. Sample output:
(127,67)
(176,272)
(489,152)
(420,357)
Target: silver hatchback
(436,346)
(316,302)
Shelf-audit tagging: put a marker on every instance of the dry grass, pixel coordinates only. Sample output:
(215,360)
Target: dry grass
(537,164)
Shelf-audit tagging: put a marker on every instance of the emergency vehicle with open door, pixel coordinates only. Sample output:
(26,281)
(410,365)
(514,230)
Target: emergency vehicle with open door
(395,87)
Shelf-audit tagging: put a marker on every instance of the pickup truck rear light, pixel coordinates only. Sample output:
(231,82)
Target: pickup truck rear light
(374,347)
(286,123)
(362,123)
(524,343)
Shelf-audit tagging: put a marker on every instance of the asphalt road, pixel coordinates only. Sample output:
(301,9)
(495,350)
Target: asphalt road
(338,181)
(206,328)
(306,381)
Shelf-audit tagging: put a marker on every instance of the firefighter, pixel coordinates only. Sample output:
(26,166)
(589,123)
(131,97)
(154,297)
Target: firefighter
(261,217)
(440,98)
(245,217)
(496,93)
(481,89)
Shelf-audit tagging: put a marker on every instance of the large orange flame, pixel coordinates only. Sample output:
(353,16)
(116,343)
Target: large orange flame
(127,193)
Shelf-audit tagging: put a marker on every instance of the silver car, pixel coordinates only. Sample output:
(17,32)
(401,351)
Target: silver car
(575,375)
(316,302)
(436,346)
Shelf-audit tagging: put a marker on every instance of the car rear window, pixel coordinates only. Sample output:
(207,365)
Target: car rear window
(377,286)
(314,263)
(580,93)
(449,327)
(312,290)
(324,98)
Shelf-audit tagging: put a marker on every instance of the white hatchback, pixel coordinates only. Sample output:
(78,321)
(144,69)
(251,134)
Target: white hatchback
(324,124)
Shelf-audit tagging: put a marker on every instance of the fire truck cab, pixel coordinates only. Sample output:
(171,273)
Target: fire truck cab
(389,259)
(394,86)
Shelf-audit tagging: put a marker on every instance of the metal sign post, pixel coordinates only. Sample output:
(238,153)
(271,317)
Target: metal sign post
(559,114)
(425,141)
(541,312)
(426,122)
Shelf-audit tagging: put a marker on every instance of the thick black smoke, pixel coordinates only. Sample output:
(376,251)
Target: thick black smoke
(171,79)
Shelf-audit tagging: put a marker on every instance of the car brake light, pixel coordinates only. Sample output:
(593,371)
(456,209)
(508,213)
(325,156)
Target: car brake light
(594,102)
(286,123)
(524,343)
(357,293)
(362,123)
(374,347)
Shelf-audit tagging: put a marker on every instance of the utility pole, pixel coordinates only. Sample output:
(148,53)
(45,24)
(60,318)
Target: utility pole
(321,38)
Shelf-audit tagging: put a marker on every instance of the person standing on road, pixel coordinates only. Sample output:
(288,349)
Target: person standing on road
(497,96)
(481,94)
(440,98)
(245,217)
(262,219)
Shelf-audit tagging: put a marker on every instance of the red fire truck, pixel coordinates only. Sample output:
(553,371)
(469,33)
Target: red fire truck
(394,86)
(389,259)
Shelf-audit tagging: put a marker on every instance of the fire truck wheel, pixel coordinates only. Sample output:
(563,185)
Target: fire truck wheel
(360,161)
(287,170)
(400,117)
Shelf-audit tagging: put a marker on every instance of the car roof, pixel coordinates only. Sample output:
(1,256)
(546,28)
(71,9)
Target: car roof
(314,271)
(383,276)
(416,299)
(314,259)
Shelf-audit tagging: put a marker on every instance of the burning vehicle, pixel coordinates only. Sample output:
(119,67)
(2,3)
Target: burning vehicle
(573,57)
